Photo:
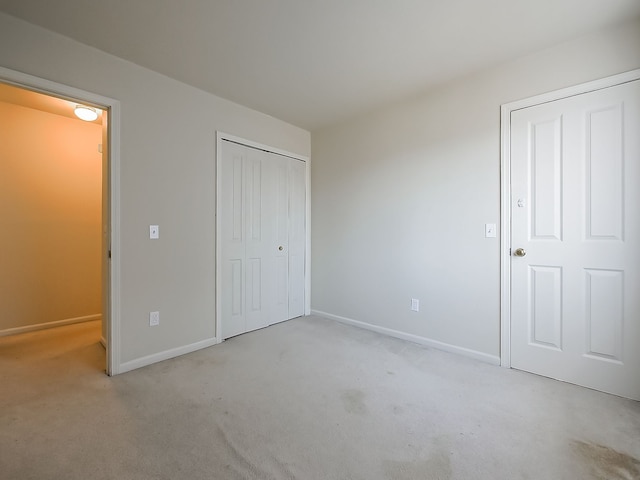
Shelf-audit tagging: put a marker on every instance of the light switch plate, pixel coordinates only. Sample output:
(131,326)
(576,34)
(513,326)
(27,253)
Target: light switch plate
(154,232)
(154,319)
(415,305)
(490,230)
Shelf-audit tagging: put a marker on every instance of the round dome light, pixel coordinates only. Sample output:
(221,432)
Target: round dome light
(87,114)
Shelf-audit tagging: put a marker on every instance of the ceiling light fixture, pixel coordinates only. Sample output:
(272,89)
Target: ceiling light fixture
(87,114)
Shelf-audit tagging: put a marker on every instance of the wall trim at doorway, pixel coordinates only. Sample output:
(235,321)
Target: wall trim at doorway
(505,189)
(427,342)
(220,137)
(166,355)
(48,87)
(43,326)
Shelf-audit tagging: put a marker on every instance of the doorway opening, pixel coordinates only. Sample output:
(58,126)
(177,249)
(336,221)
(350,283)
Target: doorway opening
(57,192)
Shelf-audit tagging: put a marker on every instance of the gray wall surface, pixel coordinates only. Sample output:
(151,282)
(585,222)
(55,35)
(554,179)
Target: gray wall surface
(167,160)
(401,196)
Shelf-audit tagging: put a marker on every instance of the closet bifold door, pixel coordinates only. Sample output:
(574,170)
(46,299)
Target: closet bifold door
(262,239)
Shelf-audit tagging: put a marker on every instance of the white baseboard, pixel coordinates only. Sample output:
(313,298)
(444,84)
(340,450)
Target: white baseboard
(166,355)
(467,352)
(42,326)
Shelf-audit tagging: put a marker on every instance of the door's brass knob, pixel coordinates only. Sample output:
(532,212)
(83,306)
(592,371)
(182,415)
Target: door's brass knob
(280,248)
(520,252)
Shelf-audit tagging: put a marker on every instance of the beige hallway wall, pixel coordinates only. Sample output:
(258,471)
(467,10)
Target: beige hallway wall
(50,211)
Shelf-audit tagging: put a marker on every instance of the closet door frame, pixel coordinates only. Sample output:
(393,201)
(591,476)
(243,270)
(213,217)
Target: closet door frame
(220,137)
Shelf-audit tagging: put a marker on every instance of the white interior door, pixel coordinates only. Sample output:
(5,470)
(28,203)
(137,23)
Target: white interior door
(106,234)
(259,216)
(575,294)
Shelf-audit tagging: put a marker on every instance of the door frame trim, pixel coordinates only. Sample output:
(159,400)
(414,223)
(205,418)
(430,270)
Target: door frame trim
(505,189)
(220,137)
(31,82)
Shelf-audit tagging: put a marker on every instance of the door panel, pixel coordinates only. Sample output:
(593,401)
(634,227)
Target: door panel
(280,247)
(604,313)
(297,238)
(546,181)
(232,238)
(546,306)
(604,174)
(575,195)
(254,207)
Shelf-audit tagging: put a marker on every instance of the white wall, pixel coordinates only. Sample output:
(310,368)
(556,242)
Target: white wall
(401,196)
(167,178)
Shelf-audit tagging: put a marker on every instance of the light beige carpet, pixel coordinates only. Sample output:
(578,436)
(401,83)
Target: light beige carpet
(306,399)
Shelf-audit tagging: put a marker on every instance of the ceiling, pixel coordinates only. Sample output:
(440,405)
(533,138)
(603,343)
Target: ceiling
(315,62)
(39,101)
